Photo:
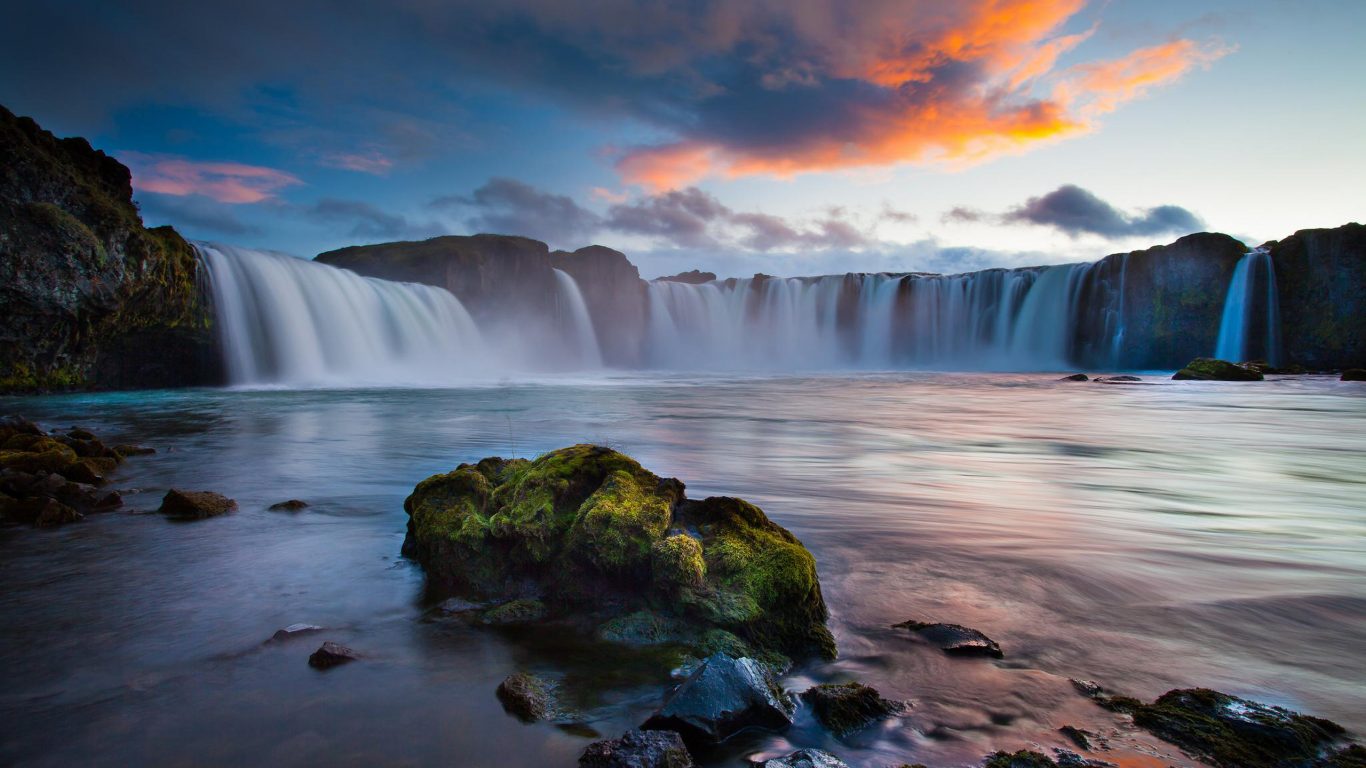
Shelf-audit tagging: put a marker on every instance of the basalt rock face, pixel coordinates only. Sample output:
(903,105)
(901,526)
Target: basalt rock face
(89,297)
(1321,279)
(616,299)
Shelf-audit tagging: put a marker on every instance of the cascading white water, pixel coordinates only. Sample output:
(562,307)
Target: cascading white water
(1251,295)
(998,319)
(290,321)
(573,311)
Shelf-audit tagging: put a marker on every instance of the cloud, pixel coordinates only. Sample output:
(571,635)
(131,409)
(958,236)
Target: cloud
(682,218)
(509,206)
(225,182)
(732,89)
(962,214)
(369,222)
(1076,211)
(372,162)
(193,213)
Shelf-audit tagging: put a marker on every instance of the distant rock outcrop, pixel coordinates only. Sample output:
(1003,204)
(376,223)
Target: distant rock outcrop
(615,295)
(1321,279)
(692,276)
(88,296)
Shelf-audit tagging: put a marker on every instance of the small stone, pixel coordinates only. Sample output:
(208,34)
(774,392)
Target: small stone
(955,639)
(330,655)
(846,708)
(133,450)
(1210,369)
(516,612)
(53,513)
(81,434)
(459,605)
(638,749)
(195,505)
(806,758)
(724,696)
(1078,736)
(527,697)
(294,630)
(1076,377)
(293,505)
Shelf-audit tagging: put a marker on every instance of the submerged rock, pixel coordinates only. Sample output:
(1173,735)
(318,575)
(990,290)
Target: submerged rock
(1210,369)
(848,707)
(638,749)
(293,505)
(806,758)
(331,654)
(1022,759)
(1230,732)
(1124,379)
(528,697)
(955,639)
(294,630)
(195,505)
(1079,737)
(587,530)
(515,612)
(1076,377)
(723,697)
(1354,374)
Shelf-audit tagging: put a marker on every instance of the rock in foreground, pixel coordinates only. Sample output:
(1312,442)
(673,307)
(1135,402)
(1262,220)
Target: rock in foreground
(49,479)
(638,749)
(586,531)
(1209,369)
(723,697)
(526,696)
(848,707)
(955,639)
(331,654)
(806,758)
(195,505)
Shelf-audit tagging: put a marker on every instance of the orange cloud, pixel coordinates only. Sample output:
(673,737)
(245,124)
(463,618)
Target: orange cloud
(224,182)
(942,84)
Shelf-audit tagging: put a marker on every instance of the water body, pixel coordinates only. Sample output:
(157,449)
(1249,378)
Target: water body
(1186,533)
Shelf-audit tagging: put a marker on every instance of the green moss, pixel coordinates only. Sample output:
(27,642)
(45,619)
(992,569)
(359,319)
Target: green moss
(1210,369)
(677,563)
(1021,759)
(643,628)
(516,612)
(42,455)
(620,522)
(848,707)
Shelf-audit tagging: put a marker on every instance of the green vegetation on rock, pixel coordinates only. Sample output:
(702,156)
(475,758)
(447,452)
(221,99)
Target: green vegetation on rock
(1210,369)
(589,531)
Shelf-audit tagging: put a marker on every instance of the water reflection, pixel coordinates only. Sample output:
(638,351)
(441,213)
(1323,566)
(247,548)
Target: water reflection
(1146,537)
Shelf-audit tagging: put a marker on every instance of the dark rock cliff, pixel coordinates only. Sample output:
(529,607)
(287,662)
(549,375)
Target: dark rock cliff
(88,296)
(1321,279)
(616,298)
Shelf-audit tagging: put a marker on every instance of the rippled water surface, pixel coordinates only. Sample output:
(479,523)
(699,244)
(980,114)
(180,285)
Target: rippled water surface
(1144,536)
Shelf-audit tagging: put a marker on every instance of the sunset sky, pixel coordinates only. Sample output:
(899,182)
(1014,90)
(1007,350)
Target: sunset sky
(789,137)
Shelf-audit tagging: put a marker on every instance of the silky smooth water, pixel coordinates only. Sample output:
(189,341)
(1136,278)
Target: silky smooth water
(1183,533)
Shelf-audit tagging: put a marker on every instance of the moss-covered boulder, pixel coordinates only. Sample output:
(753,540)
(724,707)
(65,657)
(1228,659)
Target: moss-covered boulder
(1210,369)
(587,531)
(848,707)
(50,479)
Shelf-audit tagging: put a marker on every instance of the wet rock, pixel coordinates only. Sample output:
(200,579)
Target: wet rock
(1022,759)
(526,696)
(1230,732)
(1079,737)
(111,500)
(1076,377)
(133,450)
(81,434)
(806,758)
(723,697)
(642,628)
(515,612)
(293,505)
(90,470)
(955,639)
(1354,374)
(638,749)
(1126,379)
(1210,369)
(42,512)
(331,654)
(587,529)
(294,630)
(460,605)
(195,505)
(848,707)
(1066,758)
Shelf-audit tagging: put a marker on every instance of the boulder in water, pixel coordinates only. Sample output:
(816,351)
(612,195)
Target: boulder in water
(49,479)
(292,505)
(526,696)
(587,530)
(638,749)
(723,697)
(955,639)
(331,654)
(1354,374)
(848,707)
(1210,369)
(195,505)
(1076,377)
(294,630)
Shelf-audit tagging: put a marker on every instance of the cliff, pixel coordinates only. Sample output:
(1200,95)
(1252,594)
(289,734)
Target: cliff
(90,298)
(1321,279)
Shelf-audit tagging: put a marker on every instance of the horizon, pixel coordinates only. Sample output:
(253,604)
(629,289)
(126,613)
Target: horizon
(788,140)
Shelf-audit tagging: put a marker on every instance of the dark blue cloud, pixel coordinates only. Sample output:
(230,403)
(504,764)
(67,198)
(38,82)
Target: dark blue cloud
(1076,211)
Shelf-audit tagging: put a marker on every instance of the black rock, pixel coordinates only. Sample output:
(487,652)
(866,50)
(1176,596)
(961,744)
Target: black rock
(1126,379)
(294,630)
(638,749)
(293,505)
(330,655)
(1354,374)
(723,697)
(955,639)
(805,758)
(848,707)
(1079,737)
(1076,377)
(1210,369)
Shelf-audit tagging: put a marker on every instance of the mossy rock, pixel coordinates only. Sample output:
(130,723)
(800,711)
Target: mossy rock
(1022,759)
(1210,369)
(847,707)
(587,530)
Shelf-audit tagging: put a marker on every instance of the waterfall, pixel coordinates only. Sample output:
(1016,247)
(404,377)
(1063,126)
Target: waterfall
(1023,319)
(573,315)
(1251,297)
(291,321)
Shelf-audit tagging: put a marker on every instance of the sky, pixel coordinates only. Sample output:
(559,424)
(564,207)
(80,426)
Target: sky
(781,136)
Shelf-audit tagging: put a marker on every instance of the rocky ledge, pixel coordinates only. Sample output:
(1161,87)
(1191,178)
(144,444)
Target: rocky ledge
(585,532)
(48,479)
